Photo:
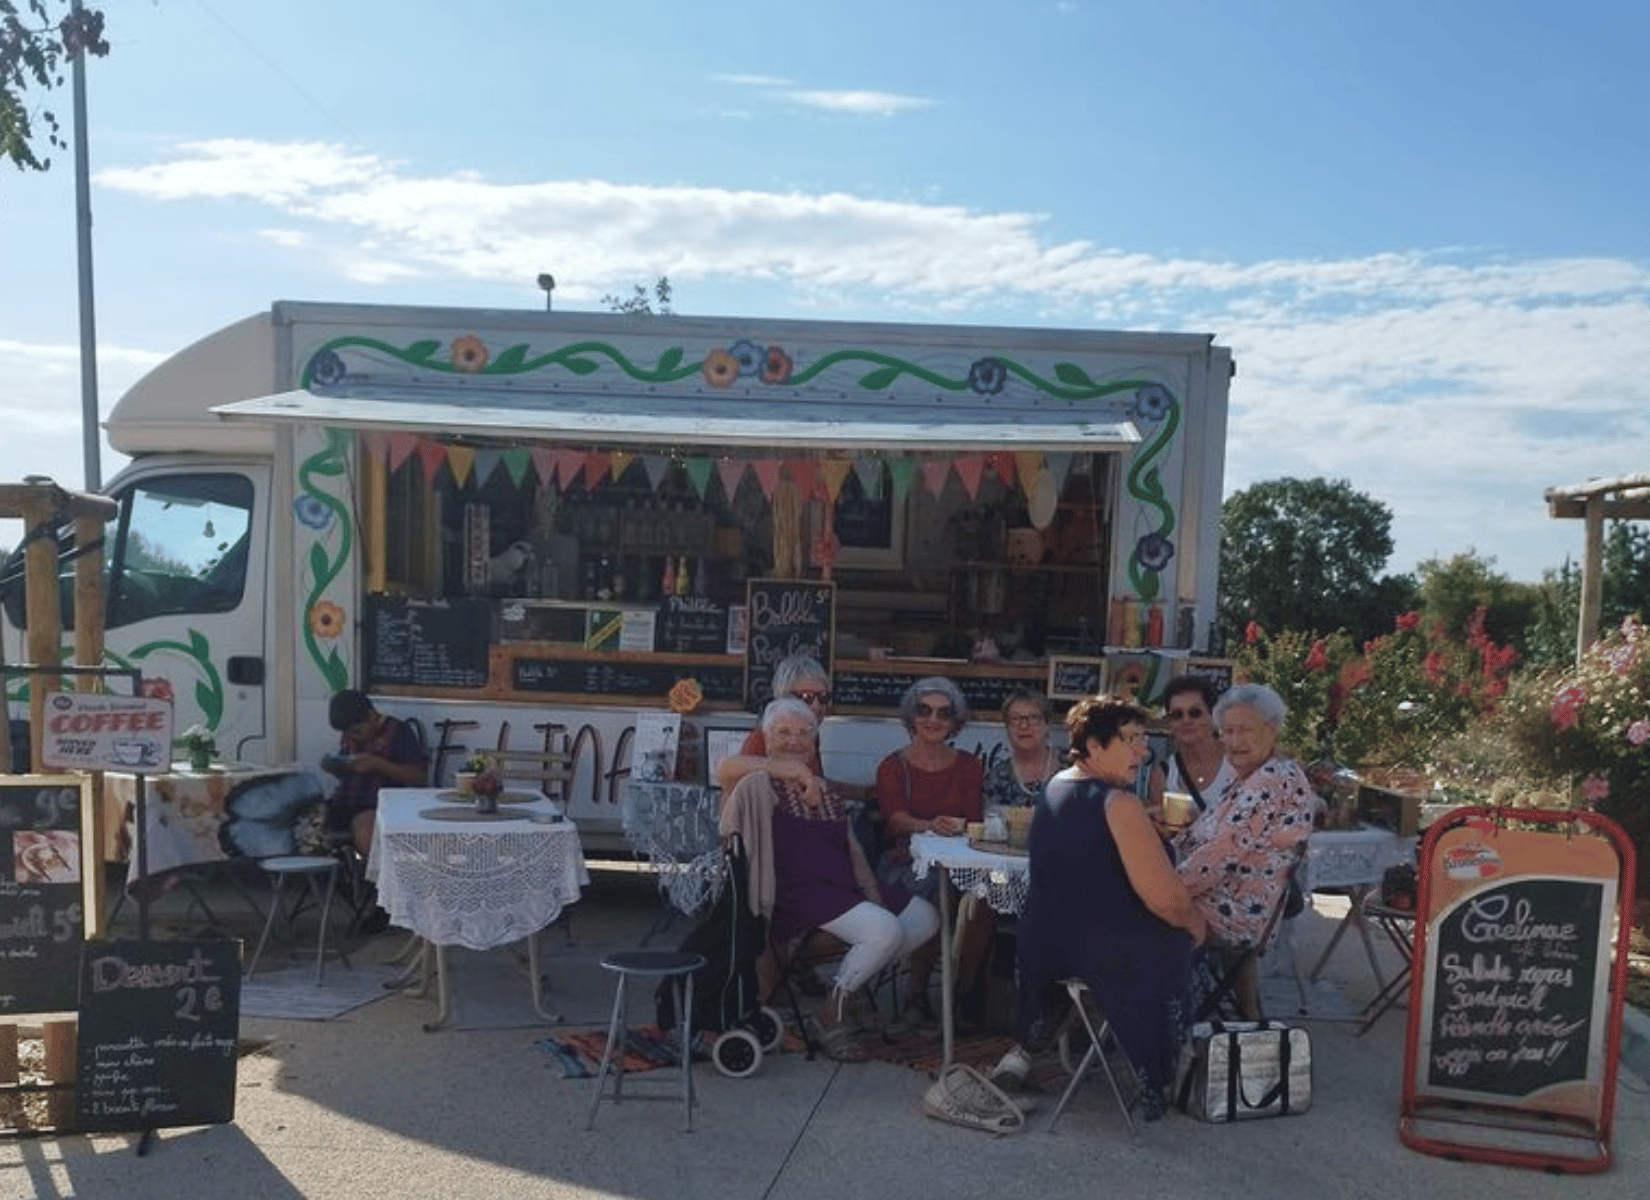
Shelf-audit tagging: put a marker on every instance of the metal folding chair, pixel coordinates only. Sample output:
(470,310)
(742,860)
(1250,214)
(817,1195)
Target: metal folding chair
(1098,1034)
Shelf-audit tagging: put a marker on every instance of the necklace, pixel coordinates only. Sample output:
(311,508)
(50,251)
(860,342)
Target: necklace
(1036,785)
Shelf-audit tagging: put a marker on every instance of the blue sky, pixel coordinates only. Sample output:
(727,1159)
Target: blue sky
(1419,225)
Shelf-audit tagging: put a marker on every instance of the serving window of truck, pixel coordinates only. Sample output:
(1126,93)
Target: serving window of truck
(595,517)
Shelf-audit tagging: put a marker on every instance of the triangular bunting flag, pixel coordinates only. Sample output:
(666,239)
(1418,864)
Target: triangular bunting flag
(969,469)
(487,460)
(900,471)
(621,460)
(1029,462)
(402,446)
(935,471)
(515,459)
(431,454)
(804,473)
(595,468)
(731,471)
(698,473)
(1001,463)
(868,468)
(544,464)
(568,465)
(657,467)
(766,471)
(833,471)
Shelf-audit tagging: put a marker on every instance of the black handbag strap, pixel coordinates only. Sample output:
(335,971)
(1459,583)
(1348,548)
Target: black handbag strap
(1234,1075)
(1187,782)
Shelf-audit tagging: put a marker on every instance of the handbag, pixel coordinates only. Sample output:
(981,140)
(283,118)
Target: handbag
(962,1096)
(1241,1070)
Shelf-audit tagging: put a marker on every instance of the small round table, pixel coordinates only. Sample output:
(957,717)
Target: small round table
(674,965)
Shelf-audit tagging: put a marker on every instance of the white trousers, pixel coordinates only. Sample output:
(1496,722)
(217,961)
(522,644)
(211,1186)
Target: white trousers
(876,937)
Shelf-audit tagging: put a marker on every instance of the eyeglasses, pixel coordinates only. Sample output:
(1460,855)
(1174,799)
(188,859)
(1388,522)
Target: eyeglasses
(1025,719)
(813,697)
(1185,714)
(944,711)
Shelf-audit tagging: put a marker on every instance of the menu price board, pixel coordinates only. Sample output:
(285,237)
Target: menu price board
(636,679)
(785,617)
(159,1025)
(692,625)
(985,694)
(1516,1010)
(427,643)
(42,913)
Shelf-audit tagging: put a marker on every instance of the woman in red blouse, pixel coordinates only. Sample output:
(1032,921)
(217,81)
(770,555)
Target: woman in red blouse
(929,785)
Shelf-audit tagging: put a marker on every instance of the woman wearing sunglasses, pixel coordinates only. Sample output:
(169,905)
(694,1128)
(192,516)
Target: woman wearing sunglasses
(799,677)
(1198,766)
(929,785)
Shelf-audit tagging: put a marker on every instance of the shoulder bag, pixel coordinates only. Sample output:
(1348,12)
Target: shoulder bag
(1241,1070)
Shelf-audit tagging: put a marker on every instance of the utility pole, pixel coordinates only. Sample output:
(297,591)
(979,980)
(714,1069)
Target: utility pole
(89,437)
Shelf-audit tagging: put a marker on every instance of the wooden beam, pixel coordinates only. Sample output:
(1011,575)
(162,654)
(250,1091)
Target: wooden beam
(1592,579)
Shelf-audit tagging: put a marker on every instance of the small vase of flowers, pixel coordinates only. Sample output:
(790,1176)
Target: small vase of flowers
(200,745)
(484,783)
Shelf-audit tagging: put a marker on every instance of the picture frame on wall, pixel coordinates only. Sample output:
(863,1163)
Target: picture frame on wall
(869,528)
(720,743)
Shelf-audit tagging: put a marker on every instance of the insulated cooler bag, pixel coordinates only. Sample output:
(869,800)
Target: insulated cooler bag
(1241,1070)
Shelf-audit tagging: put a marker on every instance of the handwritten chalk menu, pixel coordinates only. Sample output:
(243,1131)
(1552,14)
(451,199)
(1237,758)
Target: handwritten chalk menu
(428,643)
(624,678)
(1074,678)
(42,914)
(785,617)
(1515,1011)
(158,1028)
(883,689)
(691,625)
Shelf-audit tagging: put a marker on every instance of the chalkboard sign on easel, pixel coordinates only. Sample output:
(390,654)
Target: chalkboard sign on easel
(427,643)
(42,913)
(786,617)
(159,1023)
(1515,1014)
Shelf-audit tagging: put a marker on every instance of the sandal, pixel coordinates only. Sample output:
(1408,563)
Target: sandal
(838,1042)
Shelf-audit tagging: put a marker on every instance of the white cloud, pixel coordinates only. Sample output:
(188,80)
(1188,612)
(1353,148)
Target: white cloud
(762,81)
(867,104)
(1429,378)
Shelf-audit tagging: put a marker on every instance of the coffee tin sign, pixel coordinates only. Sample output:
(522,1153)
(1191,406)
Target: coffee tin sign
(91,732)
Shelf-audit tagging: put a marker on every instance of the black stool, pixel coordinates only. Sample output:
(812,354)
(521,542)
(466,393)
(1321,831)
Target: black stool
(649,964)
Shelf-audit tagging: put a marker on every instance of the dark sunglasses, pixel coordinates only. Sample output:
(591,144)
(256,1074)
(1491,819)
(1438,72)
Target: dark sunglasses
(1178,714)
(944,711)
(813,697)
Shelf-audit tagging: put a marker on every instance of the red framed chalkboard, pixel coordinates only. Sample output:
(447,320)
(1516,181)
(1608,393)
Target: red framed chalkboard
(1520,973)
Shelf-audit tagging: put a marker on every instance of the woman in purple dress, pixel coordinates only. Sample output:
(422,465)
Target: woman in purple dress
(805,856)
(1105,905)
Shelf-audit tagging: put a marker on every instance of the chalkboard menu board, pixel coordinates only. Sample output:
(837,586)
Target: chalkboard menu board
(637,679)
(691,625)
(883,689)
(428,643)
(42,921)
(786,617)
(521,621)
(159,1023)
(1514,980)
(1074,678)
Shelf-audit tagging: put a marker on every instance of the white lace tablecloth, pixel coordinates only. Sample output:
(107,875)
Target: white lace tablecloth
(1353,857)
(674,826)
(476,884)
(1000,880)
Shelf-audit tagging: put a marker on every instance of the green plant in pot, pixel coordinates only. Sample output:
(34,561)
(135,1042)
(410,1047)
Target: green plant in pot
(201,745)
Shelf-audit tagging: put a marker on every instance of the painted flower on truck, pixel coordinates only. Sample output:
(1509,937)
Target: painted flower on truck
(469,353)
(326,619)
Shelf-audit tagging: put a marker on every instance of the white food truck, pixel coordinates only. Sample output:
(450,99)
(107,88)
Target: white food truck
(527,528)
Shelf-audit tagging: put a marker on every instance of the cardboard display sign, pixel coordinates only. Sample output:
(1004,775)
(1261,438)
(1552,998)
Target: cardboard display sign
(86,731)
(1520,973)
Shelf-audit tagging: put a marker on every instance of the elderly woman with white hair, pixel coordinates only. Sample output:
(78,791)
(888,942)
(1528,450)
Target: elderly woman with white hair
(809,872)
(1235,858)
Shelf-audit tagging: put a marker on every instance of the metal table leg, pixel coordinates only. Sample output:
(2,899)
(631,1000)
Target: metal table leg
(946,986)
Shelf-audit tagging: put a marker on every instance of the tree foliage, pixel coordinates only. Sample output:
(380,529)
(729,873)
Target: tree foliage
(39,40)
(640,301)
(1306,554)
(1466,588)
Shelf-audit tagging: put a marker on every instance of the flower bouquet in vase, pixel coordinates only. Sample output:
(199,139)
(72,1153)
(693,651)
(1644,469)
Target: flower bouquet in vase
(201,745)
(482,780)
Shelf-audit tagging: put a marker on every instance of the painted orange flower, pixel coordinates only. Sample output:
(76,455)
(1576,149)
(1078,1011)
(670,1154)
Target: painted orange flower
(721,368)
(326,619)
(469,353)
(686,695)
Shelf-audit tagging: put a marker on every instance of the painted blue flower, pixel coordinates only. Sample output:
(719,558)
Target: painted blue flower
(750,357)
(987,376)
(1152,402)
(1154,551)
(315,513)
(326,367)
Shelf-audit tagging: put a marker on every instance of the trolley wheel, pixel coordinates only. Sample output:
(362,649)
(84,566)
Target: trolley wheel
(736,1053)
(769,1028)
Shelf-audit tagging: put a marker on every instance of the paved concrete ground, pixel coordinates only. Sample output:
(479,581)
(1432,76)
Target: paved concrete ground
(369,1105)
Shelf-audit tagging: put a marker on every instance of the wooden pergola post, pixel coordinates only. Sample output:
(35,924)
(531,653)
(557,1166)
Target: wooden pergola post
(1625,498)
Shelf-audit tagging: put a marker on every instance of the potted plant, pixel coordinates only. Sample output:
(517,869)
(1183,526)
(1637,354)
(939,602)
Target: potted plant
(480,778)
(201,745)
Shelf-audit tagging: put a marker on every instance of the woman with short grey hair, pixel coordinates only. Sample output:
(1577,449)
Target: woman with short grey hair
(959,713)
(1235,858)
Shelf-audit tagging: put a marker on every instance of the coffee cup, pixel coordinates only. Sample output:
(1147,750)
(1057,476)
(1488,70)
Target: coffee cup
(1178,809)
(976,831)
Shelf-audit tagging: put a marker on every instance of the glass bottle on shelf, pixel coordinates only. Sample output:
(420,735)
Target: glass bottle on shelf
(667,581)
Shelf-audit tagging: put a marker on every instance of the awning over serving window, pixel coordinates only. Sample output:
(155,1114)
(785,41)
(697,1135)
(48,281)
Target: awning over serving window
(698,421)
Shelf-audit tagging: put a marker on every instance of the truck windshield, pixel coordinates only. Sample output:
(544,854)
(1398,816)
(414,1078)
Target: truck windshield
(178,545)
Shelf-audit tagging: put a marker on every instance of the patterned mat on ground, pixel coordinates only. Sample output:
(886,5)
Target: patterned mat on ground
(292,994)
(646,1048)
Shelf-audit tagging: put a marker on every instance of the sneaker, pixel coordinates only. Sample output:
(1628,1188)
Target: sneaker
(1011,1070)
